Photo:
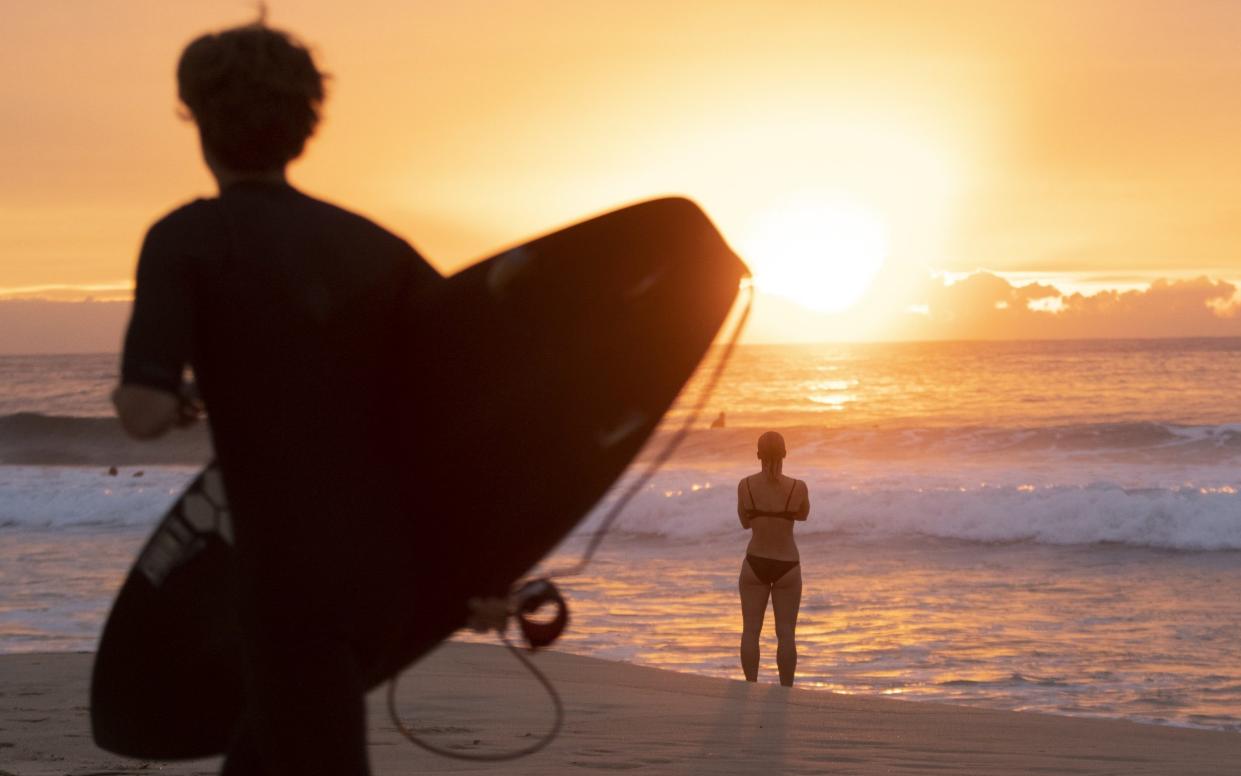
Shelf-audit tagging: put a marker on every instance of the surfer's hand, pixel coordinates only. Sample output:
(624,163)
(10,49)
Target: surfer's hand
(191,408)
(189,412)
(487,614)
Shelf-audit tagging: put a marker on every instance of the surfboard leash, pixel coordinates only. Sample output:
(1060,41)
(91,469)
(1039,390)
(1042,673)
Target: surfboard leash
(534,593)
(497,757)
(671,447)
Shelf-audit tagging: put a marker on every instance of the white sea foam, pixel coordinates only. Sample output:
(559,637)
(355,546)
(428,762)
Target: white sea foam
(701,505)
(60,497)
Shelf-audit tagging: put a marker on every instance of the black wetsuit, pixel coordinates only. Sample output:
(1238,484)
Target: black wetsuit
(290,312)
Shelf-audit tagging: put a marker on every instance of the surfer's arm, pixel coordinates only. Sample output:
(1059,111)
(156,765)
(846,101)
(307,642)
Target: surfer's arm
(157,342)
(745,521)
(804,510)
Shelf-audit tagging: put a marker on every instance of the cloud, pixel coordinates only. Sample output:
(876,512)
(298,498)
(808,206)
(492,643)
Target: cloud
(986,306)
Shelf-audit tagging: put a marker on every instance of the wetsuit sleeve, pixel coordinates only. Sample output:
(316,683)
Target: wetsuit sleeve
(158,342)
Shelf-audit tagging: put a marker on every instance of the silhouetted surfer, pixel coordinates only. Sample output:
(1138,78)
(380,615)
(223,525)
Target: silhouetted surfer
(768,503)
(288,309)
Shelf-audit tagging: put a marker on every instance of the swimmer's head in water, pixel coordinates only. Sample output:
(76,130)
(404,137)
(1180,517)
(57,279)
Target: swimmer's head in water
(771,446)
(254,93)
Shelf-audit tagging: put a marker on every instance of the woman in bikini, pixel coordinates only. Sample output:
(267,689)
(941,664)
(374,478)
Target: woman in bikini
(767,504)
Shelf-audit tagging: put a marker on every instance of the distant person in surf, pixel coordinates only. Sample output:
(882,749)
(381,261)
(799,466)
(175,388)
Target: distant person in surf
(768,503)
(718,422)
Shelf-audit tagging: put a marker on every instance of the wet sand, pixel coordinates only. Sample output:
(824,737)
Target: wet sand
(477,698)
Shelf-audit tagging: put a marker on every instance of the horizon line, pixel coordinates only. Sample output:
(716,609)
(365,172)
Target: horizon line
(117,353)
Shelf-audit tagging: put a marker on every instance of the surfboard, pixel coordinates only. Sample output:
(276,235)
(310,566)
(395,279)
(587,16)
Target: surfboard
(554,359)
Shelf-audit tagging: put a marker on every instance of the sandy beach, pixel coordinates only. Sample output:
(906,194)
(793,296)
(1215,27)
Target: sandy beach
(477,698)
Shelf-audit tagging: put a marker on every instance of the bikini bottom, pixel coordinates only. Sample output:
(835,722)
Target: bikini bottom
(769,570)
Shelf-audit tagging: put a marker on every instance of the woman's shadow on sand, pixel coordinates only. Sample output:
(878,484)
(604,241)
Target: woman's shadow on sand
(749,723)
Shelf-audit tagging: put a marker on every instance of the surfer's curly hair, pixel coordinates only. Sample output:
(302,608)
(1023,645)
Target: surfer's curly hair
(255,94)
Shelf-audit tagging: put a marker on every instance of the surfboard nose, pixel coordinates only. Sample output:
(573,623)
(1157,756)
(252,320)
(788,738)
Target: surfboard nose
(659,233)
(588,333)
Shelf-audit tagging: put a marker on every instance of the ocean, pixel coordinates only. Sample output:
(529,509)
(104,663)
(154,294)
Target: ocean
(1043,526)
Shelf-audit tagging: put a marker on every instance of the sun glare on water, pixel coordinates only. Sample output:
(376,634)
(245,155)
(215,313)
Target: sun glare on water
(821,253)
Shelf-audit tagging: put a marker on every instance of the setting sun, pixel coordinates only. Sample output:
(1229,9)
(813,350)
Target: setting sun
(821,252)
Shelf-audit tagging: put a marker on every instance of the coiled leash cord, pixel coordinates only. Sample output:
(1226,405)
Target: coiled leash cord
(528,598)
(535,593)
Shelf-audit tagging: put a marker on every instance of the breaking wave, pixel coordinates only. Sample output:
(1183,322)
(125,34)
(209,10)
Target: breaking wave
(31,438)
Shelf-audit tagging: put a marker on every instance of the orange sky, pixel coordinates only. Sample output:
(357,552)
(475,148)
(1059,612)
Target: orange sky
(1089,146)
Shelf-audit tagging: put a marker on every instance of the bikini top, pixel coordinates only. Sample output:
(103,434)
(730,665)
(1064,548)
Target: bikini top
(785,514)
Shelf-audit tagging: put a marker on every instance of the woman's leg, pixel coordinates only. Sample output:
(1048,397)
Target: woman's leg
(754,593)
(785,602)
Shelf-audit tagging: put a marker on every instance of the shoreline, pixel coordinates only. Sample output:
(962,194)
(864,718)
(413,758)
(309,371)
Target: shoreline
(477,698)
